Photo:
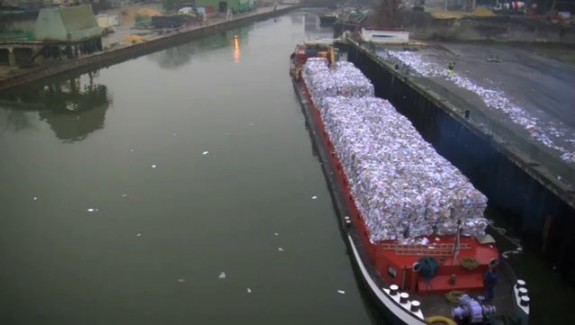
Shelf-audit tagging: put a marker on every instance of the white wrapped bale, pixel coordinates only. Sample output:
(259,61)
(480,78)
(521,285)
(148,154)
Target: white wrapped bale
(402,187)
(344,80)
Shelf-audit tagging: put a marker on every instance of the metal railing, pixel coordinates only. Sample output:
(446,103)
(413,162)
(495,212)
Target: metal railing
(431,249)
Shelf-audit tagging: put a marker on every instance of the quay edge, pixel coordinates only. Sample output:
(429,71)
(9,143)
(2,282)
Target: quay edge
(533,202)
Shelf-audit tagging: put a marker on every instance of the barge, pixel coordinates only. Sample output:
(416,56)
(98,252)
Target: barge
(445,280)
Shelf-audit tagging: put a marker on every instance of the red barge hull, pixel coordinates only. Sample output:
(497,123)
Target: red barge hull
(388,267)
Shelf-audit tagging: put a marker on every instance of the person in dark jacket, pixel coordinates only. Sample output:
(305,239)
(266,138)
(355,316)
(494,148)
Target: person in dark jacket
(451,68)
(490,281)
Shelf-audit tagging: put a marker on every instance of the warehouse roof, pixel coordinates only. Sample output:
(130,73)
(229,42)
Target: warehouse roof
(69,24)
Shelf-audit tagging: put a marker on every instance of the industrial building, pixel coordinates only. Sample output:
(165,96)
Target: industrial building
(74,27)
(223,6)
(61,32)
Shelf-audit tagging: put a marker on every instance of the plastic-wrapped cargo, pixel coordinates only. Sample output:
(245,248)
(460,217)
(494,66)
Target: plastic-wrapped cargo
(402,187)
(343,80)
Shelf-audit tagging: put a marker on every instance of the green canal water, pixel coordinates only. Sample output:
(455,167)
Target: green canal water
(181,187)
(126,194)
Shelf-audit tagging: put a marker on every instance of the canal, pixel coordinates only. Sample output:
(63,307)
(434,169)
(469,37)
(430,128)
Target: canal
(180,187)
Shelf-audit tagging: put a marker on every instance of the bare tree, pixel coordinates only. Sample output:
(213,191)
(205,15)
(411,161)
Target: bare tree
(387,11)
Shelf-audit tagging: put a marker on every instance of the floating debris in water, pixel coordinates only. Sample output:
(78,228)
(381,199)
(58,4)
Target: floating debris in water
(341,292)
(249,290)
(280,249)
(276,234)
(181,280)
(222,275)
(154,166)
(132,150)
(251,123)
(35,198)
(314,197)
(205,153)
(139,235)
(91,210)
(124,195)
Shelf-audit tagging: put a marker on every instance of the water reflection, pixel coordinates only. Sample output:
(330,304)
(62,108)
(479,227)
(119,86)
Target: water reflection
(179,56)
(240,39)
(237,51)
(175,57)
(311,23)
(76,126)
(74,107)
(14,120)
(296,18)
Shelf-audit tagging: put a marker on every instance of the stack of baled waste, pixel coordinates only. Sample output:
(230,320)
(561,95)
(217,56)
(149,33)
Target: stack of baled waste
(344,80)
(404,189)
